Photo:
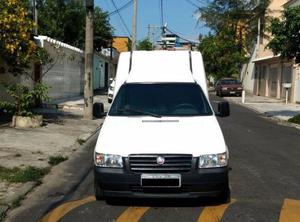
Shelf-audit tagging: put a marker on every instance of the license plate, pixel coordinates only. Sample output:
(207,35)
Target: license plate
(161,180)
(232,92)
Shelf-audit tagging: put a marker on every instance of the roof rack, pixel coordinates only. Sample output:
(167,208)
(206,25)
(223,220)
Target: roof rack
(130,61)
(191,66)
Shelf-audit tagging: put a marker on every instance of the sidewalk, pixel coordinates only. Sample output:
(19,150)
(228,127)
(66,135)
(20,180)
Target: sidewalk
(268,106)
(63,133)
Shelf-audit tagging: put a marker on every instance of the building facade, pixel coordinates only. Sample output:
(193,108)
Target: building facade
(266,74)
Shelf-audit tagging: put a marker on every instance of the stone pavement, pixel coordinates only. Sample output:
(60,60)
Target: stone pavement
(63,133)
(268,106)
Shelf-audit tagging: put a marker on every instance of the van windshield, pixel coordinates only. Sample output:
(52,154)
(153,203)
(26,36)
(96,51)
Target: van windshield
(163,99)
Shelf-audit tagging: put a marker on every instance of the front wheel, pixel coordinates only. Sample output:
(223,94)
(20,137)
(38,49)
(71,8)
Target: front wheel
(98,192)
(225,196)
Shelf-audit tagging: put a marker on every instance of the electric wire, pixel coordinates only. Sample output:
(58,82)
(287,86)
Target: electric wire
(121,18)
(185,39)
(126,5)
(196,5)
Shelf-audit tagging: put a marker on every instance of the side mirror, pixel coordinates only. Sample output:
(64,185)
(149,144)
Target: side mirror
(223,109)
(98,110)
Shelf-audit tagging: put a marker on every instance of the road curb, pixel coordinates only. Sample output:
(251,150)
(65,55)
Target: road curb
(266,114)
(63,177)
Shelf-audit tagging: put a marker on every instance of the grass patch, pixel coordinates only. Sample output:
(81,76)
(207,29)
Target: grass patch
(295,119)
(55,160)
(18,175)
(17,202)
(80,141)
(2,216)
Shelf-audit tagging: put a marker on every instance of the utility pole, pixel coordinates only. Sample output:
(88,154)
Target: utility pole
(35,16)
(134,18)
(89,51)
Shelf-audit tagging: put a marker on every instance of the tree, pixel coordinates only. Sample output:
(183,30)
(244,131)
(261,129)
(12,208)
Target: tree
(144,44)
(222,54)
(286,34)
(234,30)
(64,20)
(16,46)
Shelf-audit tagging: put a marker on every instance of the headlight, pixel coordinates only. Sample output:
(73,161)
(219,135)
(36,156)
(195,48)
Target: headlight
(224,88)
(240,88)
(108,160)
(213,160)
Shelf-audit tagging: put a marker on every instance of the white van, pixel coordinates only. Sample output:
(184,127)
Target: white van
(161,138)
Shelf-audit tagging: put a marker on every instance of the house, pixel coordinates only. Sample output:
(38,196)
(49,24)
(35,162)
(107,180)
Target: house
(266,74)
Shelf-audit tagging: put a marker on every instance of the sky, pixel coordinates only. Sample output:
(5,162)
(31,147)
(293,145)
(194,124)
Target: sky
(179,15)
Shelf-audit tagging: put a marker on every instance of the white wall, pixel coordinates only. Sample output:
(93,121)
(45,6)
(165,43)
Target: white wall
(65,76)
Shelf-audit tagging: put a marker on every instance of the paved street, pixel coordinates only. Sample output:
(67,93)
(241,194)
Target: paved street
(265,182)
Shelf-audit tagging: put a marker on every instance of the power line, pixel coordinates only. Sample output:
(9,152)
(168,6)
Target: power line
(175,33)
(122,20)
(194,4)
(121,8)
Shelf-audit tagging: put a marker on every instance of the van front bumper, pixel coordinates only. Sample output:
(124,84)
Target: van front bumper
(196,183)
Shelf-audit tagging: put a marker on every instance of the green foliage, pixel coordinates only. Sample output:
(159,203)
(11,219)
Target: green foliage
(145,44)
(286,34)
(55,160)
(24,98)
(234,27)
(17,202)
(222,54)
(65,21)
(16,46)
(295,119)
(80,141)
(18,175)
(220,13)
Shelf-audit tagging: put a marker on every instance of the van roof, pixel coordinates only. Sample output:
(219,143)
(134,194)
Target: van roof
(160,66)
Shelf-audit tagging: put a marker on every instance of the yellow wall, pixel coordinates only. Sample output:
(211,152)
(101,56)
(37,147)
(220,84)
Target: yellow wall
(121,43)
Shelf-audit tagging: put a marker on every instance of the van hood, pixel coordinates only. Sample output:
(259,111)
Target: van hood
(143,135)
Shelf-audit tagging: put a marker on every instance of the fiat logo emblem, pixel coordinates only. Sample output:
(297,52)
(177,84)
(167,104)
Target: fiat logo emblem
(160,160)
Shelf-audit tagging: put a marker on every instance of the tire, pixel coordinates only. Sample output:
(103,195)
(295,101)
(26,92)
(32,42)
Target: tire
(98,192)
(225,196)
(220,94)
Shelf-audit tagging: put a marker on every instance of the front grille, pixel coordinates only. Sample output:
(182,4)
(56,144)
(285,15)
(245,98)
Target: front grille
(147,163)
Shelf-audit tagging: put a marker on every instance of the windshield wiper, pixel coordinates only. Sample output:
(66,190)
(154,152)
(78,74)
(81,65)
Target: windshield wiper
(139,112)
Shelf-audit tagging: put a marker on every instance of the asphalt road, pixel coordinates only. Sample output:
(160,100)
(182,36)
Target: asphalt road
(265,182)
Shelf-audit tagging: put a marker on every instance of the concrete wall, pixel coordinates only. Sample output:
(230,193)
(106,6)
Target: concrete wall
(8,78)
(247,76)
(65,75)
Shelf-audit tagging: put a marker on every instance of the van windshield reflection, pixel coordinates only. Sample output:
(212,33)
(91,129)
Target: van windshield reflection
(160,99)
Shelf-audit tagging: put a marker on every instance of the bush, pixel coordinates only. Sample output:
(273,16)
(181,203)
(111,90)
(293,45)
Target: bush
(295,119)
(18,175)
(24,98)
(55,160)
